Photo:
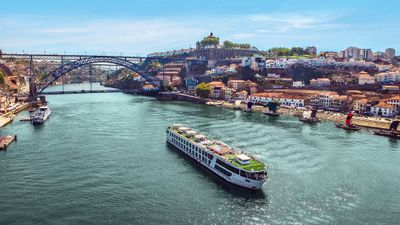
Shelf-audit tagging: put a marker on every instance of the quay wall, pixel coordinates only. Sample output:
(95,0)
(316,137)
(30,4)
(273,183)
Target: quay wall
(172,96)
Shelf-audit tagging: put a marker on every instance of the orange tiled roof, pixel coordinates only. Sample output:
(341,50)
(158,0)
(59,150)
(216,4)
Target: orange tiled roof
(235,81)
(383,104)
(397,97)
(217,84)
(362,101)
(267,95)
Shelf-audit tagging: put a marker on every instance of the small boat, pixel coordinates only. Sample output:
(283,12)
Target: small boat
(237,105)
(271,113)
(348,125)
(249,107)
(40,115)
(392,132)
(272,109)
(310,116)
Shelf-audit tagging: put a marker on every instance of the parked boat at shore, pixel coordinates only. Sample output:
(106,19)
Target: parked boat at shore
(249,107)
(272,109)
(237,104)
(310,116)
(232,165)
(348,125)
(40,115)
(392,132)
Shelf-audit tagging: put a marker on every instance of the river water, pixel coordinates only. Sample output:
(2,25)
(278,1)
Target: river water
(102,159)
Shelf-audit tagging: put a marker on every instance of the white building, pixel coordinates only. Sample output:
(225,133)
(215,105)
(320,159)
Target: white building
(390,53)
(395,101)
(298,84)
(352,53)
(242,95)
(287,100)
(255,62)
(321,82)
(365,78)
(383,109)
(388,77)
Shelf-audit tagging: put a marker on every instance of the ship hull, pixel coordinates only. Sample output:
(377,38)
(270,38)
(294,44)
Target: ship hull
(351,128)
(309,120)
(390,134)
(42,119)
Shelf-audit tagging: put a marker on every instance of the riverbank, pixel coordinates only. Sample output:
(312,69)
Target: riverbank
(367,122)
(8,117)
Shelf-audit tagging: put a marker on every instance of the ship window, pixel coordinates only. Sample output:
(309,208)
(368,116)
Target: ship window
(220,169)
(228,167)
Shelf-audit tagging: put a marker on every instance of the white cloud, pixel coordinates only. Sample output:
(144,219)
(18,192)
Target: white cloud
(299,21)
(132,36)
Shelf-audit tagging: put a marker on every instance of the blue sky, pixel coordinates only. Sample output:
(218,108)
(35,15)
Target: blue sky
(140,27)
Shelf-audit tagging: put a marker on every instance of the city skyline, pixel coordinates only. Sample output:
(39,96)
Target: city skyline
(133,28)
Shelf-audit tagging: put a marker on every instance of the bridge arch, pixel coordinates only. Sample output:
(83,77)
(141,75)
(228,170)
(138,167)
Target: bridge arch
(61,71)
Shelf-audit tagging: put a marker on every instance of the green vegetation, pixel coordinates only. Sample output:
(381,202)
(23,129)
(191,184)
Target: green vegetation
(302,73)
(229,44)
(2,78)
(21,61)
(294,52)
(203,90)
(168,87)
(154,65)
(254,165)
(1,54)
(210,40)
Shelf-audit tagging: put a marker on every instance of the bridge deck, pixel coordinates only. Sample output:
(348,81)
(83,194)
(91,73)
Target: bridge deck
(79,92)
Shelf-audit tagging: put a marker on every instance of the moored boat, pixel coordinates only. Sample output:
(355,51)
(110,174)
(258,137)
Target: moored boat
(40,115)
(237,104)
(249,107)
(272,109)
(310,116)
(228,163)
(348,125)
(392,132)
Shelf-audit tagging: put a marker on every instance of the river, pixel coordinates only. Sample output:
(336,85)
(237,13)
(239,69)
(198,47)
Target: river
(102,159)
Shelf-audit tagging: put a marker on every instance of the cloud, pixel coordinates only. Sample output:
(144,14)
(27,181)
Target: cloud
(112,35)
(284,22)
(131,36)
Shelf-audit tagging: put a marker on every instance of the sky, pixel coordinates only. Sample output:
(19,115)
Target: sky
(131,27)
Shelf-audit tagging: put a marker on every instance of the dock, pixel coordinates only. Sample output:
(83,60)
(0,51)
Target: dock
(6,120)
(79,92)
(25,119)
(5,141)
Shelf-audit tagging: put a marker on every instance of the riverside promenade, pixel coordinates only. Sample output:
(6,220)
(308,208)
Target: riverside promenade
(9,116)
(367,122)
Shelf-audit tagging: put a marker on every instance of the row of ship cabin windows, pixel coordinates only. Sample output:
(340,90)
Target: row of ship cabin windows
(191,149)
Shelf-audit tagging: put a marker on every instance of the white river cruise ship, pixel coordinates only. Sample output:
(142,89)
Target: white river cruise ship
(228,163)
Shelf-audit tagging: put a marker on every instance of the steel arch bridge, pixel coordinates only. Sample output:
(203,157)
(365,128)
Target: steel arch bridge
(64,69)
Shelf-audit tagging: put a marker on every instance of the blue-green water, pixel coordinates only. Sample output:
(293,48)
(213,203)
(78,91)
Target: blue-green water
(102,159)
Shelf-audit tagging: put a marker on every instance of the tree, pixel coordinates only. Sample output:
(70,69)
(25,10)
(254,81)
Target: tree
(210,40)
(168,87)
(246,73)
(1,53)
(203,90)
(229,44)
(1,78)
